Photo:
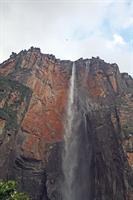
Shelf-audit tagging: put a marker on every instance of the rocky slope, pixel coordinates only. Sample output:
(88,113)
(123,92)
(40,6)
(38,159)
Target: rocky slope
(33,97)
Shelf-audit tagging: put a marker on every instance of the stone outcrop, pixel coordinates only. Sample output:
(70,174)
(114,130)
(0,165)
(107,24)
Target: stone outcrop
(33,98)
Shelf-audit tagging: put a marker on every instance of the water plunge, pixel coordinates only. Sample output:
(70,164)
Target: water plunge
(77,154)
(69,162)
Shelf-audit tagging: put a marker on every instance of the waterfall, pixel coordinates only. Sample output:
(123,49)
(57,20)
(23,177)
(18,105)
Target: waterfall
(70,108)
(69,160)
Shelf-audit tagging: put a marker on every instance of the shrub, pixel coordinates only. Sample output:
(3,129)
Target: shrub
(8,191)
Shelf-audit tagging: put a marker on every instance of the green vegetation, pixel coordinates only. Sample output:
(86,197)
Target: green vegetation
(8,85)
(10,116)
(9,110)
(8,191)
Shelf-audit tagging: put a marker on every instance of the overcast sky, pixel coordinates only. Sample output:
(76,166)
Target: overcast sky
(69,29)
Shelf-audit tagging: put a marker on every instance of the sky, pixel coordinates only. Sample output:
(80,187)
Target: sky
(69,29)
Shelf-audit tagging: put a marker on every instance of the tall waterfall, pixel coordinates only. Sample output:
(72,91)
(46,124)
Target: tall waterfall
(70,108)
(69,162)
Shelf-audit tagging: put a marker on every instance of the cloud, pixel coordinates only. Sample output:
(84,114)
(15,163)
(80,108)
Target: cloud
(129,22)
(69,29)
(120,14)
(117,40)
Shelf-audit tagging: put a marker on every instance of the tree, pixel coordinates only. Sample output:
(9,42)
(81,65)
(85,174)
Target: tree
(8,191)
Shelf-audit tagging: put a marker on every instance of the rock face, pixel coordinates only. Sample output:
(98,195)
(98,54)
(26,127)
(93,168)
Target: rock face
(33,97)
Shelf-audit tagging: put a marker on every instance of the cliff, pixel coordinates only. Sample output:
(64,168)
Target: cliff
(34,91)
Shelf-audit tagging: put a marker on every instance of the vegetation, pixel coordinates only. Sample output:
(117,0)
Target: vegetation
(8,191)
(10,117)
(9,111)
(12,85)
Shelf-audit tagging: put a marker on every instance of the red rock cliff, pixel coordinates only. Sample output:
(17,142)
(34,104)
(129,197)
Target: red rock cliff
(34,94)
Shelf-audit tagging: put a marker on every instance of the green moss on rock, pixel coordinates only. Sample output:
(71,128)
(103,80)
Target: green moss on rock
(11,107)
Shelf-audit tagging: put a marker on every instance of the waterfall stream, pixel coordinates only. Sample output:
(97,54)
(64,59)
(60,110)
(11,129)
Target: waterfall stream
(70,108)
(69,162)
